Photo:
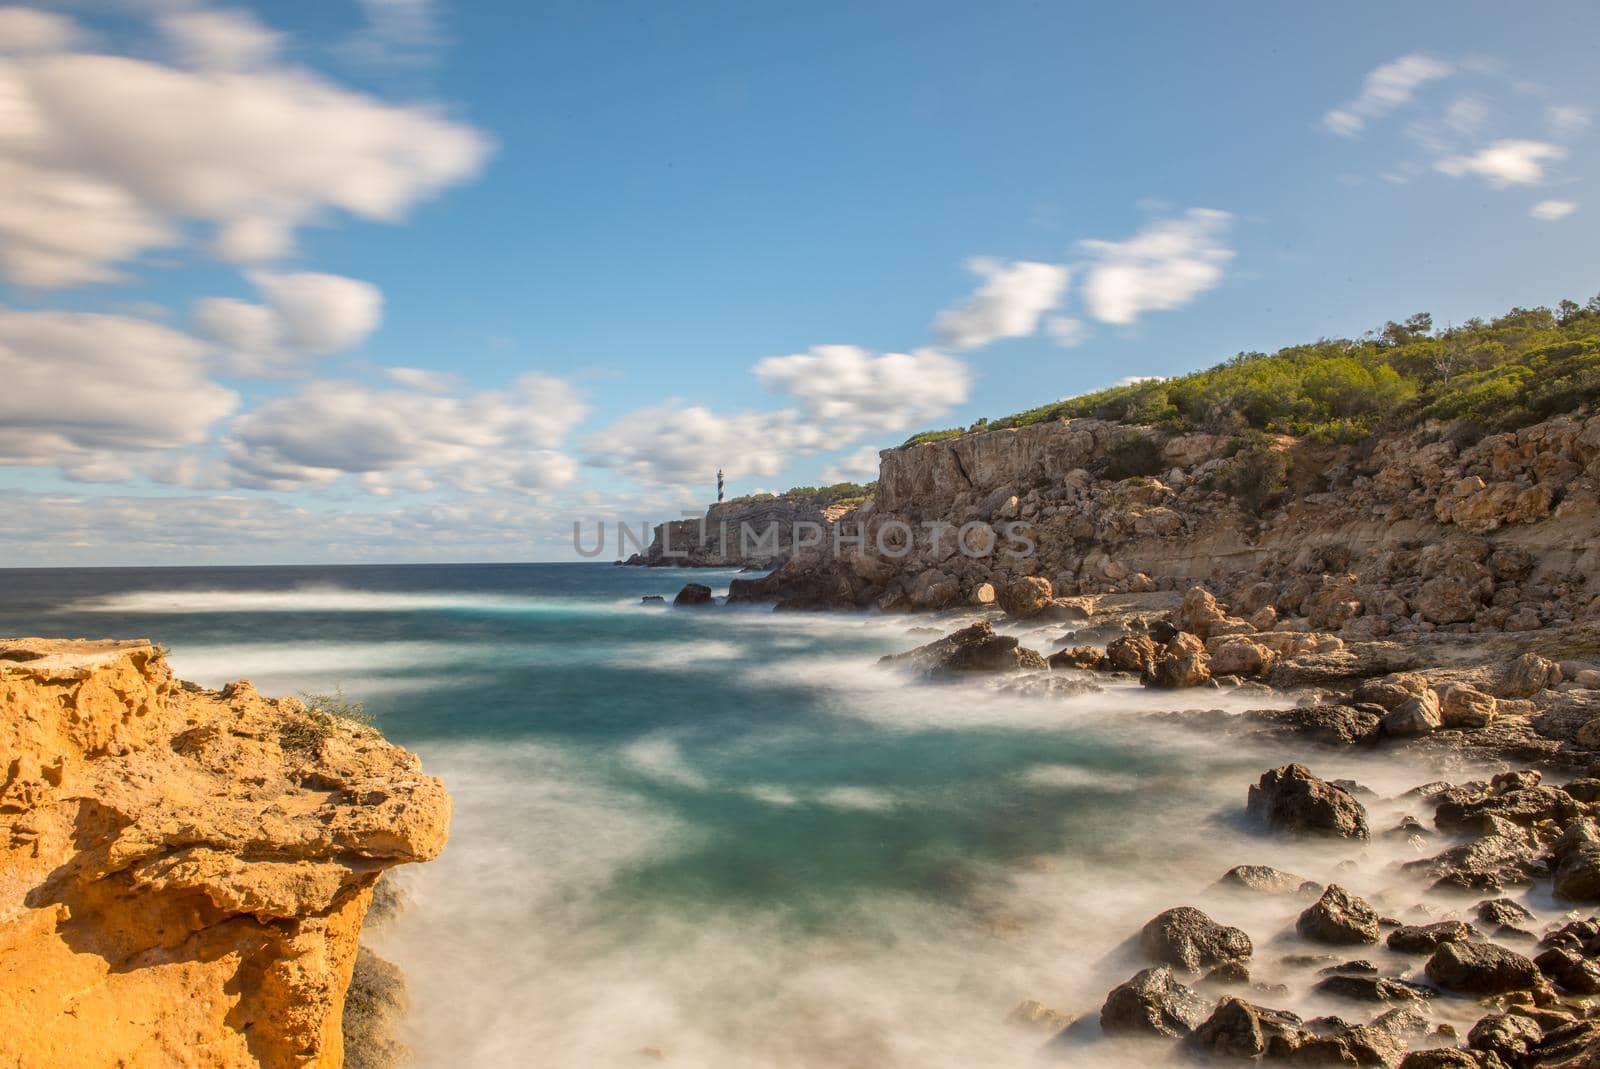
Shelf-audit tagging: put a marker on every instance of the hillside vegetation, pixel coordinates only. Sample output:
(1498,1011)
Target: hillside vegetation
(822,496)
(1493,375)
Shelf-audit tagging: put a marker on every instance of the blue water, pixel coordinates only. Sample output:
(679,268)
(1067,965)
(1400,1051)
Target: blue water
(723,834)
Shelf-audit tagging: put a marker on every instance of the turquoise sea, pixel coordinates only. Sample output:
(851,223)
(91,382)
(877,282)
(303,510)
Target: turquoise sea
(724,836)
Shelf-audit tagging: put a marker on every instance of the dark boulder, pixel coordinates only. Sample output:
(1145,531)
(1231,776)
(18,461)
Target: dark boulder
(1503,916)
(1264,879)
(1370,989)
(1340,918)
(1578,863)
(1291,799)
(1525,806)
(1239,1030)
(972,649)
(1153,1004)
(1441,1058)
(1425,938)
(1491,863)
(1186,937)
(1481,969)
(693,594)
(1508,1036)
(1571,970)
(1324,725)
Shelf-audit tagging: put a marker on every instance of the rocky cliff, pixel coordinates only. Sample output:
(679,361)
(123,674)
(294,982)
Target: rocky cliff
(754,532)
(184,872)
(1426,529)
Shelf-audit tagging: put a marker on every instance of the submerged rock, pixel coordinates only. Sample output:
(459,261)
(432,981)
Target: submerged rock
(1571,970)
(1240,1030)
(1507,1036)
(693,594)
(1481,969)
(1186,937)
(1266,880)
(1291,799)
(972,649)
(1152,1003)
(1325,725)
(1370,989)
(1425,938)
(1340,918)
(1038,1017)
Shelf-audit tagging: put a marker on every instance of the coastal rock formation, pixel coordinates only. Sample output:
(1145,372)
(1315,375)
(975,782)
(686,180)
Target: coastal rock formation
(1186,937)
(693,594)
(1291,799)
(1152,1003)
(751,532)
(1339,917)
(972,649)
(1413,532)
(183,872)
(1481,969)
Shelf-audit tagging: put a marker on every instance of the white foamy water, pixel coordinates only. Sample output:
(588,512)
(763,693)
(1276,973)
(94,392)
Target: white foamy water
(517,955)
(328,599)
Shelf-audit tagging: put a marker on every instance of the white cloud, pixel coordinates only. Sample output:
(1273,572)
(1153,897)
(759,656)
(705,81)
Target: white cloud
(853,392)
(80,390)
(1134,380)
(843,391)
(1567,119)
(674,445)
(1007,305)
(103,157)
(1386,88)
(220,40)
(858,466)
(397,32)
(1165,265)
(408,439)
(1066,331)
(306,314)
(1506,163)
(1551,210)
(25,29)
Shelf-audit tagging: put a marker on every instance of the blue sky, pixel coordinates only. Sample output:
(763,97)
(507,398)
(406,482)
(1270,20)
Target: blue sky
(607,241)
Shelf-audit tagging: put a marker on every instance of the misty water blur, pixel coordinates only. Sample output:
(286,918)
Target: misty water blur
(728,837)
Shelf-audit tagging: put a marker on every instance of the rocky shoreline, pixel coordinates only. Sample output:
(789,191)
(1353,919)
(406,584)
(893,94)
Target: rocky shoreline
(1482,949)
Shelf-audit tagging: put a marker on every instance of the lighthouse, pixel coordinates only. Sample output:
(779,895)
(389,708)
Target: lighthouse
(719,486)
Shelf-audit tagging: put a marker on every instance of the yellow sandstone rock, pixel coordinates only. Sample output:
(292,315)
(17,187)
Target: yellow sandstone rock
(183,872)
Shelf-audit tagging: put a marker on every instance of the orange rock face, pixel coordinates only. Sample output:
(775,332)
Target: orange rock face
(183,872)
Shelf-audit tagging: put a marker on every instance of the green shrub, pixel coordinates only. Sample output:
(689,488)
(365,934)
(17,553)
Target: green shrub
(934,436)
(1500,374)
(1255,476)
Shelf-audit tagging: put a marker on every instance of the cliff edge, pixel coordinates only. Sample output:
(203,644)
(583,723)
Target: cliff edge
(184,872)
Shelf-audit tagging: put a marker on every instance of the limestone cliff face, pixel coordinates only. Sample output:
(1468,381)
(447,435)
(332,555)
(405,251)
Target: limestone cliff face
(183,872)
(1413,530)
(748,533)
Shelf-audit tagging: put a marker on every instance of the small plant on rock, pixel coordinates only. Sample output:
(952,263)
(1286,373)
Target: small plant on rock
(317,722)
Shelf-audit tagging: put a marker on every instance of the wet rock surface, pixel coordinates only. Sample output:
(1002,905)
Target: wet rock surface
(1294,801)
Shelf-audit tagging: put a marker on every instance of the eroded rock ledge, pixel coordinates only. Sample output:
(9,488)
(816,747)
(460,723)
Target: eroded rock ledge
(184,872)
